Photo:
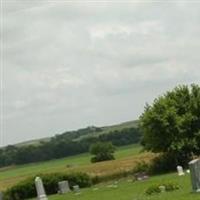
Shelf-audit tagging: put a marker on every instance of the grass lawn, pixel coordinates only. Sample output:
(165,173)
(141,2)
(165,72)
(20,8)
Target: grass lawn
(12,175)
(135,190)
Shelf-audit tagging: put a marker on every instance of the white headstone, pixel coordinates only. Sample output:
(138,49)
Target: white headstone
(195,174)
(41,195)
(63,187)
(180,171)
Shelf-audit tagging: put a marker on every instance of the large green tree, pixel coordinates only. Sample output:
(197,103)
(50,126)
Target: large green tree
(171,125)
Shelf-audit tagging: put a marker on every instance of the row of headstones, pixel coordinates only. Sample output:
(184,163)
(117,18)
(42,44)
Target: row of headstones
(41,194)
(63,188)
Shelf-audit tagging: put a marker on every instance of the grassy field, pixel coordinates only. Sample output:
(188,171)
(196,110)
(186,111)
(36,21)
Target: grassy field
(126,158)
(127,190)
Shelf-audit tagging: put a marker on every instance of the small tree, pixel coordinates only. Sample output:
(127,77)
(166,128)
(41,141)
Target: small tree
(172,124)
(102,151)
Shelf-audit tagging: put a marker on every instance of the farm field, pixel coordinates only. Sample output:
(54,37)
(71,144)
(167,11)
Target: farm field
(126,157)
(127,190)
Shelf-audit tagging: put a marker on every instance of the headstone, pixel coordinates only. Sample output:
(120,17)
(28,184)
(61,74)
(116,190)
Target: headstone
(162,188)
(76,189)
(180,171)
(1,196)
(195,174)
(63,187)
(41,195)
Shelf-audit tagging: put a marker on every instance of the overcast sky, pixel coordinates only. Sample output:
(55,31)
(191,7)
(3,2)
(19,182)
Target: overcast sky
(67,65)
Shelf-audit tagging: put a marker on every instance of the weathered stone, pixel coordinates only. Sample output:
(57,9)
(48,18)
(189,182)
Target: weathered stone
(1,196)
(195,174)
(63,187)
(76,189)
(41,195)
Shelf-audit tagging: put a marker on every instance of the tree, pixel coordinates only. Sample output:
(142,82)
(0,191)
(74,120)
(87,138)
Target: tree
(102,151)
(172,124)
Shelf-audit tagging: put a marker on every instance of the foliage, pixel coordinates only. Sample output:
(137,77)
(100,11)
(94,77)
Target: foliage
(64,145)
(167,187)
(172,124)
(102,151)
(26,188)
(141,166)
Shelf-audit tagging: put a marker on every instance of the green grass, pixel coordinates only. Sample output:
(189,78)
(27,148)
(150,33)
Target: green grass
(135,190)
(16,173)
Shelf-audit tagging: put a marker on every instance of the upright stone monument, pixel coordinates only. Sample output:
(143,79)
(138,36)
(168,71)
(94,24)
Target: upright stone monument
(41,195)
(76,188)
(180,171)
(1,195)
(195,174)
(63,187)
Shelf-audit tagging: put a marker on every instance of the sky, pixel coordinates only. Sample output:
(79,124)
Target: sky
(71,64)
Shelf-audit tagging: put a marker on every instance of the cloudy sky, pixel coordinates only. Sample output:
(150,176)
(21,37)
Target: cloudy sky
(71,64)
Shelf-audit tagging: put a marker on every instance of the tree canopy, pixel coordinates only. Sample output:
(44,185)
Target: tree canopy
(172,123)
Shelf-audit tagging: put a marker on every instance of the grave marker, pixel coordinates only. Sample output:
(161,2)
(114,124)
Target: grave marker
(195,174)
(1,196)
(180,171)
(76,189)
(63,187)
(41,195)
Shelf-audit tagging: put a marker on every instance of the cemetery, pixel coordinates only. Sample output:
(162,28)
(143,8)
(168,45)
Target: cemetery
(100,100)
(123,189)
(158,167)
(186,181)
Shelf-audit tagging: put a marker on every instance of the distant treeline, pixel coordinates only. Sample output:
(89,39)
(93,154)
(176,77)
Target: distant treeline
(65,145)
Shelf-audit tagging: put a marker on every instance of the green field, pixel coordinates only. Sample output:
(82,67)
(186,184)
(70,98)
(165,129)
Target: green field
(127,190)
(12,175)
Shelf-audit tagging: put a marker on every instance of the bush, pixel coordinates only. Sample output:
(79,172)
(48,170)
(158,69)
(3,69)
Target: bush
(26,189)
(141,167)
(162,164)
(103,151)
(155,189)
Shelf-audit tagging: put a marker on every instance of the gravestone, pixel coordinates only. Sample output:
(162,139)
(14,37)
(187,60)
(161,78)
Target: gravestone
(41,195)
(162,188)
(1,196)
(180,171)
(76,189)
(63,187)
(195,174)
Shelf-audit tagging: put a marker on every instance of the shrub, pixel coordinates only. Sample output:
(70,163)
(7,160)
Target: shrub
(26,188)
(102,151)
(155,189)
(162,164)
(141,167)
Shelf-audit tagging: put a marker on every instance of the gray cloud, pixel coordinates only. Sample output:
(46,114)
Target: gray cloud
(68,65)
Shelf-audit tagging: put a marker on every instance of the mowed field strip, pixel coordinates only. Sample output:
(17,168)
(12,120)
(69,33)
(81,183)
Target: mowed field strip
(126,158)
